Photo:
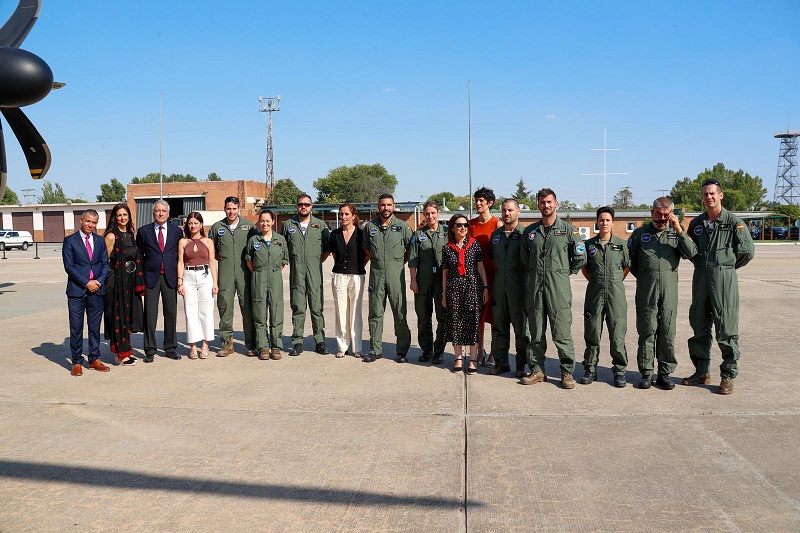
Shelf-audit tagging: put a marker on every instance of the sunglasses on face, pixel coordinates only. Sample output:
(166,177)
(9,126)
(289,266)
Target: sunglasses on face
(710,182)
(461,225)
(232,200)
(303,204)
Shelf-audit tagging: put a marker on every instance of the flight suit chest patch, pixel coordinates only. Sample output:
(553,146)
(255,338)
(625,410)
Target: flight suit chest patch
(531,235)
(592,251)
(616,247)
(559,232)
(314,226)
(221,232)
(724,227)
(698,230)
(256,245)
(515,236)
(423,237)
(672,235)
(496,239)
(373,231)
(292,229)
(277,243)
(396,228)
(646,237)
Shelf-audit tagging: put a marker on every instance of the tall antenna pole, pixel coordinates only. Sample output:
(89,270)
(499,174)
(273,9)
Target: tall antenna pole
(161,148)
(268,105)
(605,174)
(469,140)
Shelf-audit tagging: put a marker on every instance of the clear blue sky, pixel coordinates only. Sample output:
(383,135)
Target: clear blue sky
(680,86)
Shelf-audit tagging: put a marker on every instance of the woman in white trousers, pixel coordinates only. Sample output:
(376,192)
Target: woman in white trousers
(197,283)
(350,258)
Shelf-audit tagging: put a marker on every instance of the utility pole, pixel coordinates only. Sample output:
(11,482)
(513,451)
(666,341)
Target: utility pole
(268,105)
(605,174)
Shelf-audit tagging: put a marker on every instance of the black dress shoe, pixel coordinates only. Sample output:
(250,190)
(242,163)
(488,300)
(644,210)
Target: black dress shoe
(619,381)
(437,359)
(665,382)
(368,358)
(646,381)
(321,349)
(499,368)
(401,358)
(297,349)
(173,355)
(425,357)
(148,358)
(588,378)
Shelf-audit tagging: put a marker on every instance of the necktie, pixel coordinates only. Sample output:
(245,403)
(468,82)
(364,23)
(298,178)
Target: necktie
(161,244)
(89,251)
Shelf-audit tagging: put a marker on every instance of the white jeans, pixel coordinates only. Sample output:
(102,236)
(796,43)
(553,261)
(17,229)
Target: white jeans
(199,305)
(348,295)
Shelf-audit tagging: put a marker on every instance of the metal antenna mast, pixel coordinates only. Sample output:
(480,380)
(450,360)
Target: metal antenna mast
(605,174)
(268,105)
(787,185)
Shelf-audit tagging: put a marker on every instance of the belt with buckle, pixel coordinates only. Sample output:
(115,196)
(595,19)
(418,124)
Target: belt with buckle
(198,267)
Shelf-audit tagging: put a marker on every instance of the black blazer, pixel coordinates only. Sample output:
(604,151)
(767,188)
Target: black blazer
(152,257)
(77,264)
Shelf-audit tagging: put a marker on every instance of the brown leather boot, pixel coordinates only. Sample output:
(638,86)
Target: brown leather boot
(535,377)
(726,385)
(227,349)
(697,379)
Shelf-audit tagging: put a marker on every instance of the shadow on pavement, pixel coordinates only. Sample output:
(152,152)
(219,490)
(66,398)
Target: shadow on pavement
(102,477)
(56,353)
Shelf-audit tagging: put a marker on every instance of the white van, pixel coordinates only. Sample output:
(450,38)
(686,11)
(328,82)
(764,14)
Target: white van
(10,238)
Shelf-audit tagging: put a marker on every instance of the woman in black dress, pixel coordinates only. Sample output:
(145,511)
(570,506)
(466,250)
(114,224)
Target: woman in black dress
(122,313)
(465,291)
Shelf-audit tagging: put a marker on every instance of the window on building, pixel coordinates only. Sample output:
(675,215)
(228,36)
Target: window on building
(630,227)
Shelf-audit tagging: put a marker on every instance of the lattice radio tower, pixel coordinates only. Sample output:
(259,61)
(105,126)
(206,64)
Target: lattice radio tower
(268,105)
(787,184)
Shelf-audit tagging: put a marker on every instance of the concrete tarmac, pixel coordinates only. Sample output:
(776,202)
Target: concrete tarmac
(314,443)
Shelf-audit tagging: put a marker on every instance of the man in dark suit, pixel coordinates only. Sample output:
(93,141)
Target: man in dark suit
(158,248)
(86,263)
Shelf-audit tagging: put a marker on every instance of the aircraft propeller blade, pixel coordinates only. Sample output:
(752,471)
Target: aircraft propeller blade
(36,151)
(19,25)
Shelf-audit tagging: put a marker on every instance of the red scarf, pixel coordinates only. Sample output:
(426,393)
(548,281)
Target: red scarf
(462,269)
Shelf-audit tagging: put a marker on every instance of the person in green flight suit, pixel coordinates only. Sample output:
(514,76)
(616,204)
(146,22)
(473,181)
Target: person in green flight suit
(267,254)
(655,254)
(607,265)
(552,249)
(724,245)
(307,237)
(508,294)
(386,238)
(230,240)
(424,260)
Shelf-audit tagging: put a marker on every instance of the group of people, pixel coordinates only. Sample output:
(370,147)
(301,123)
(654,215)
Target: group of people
(466,274)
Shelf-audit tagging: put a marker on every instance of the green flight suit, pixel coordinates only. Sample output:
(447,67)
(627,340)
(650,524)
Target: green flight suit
(715,288)
(654,263)
(233,277)
(425,254)
(605,301)
(305,275)
(268,257)
(508,298)
(551,255)
(387,246)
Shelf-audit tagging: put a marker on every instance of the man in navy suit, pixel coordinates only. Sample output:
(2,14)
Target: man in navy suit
(158,248)
(86,263)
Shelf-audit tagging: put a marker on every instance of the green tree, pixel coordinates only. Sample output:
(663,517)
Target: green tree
(286,191)
(742,191)
(154,177)
(52,194)
(114,191)
(623,199)
(563,205)
(588,207)
(213,176)
(791,210)
(522,193)
(357,184)
(9,198)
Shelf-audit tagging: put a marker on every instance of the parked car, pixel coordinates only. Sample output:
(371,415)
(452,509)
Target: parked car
(15,239)
(794,234)
(774,232)
(755,232)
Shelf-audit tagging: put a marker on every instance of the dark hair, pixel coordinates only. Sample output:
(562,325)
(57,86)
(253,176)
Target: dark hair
(544,193)
(605,209)
(451,226)
(232,200)
(197,216)
(711,181)
(112,219)
(430,203)
(485,193)
(385,196)
(353,210)
(270,212)
(303,195)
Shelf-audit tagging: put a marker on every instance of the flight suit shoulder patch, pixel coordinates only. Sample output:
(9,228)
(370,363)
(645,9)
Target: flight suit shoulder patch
(630,240)
(580,248)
